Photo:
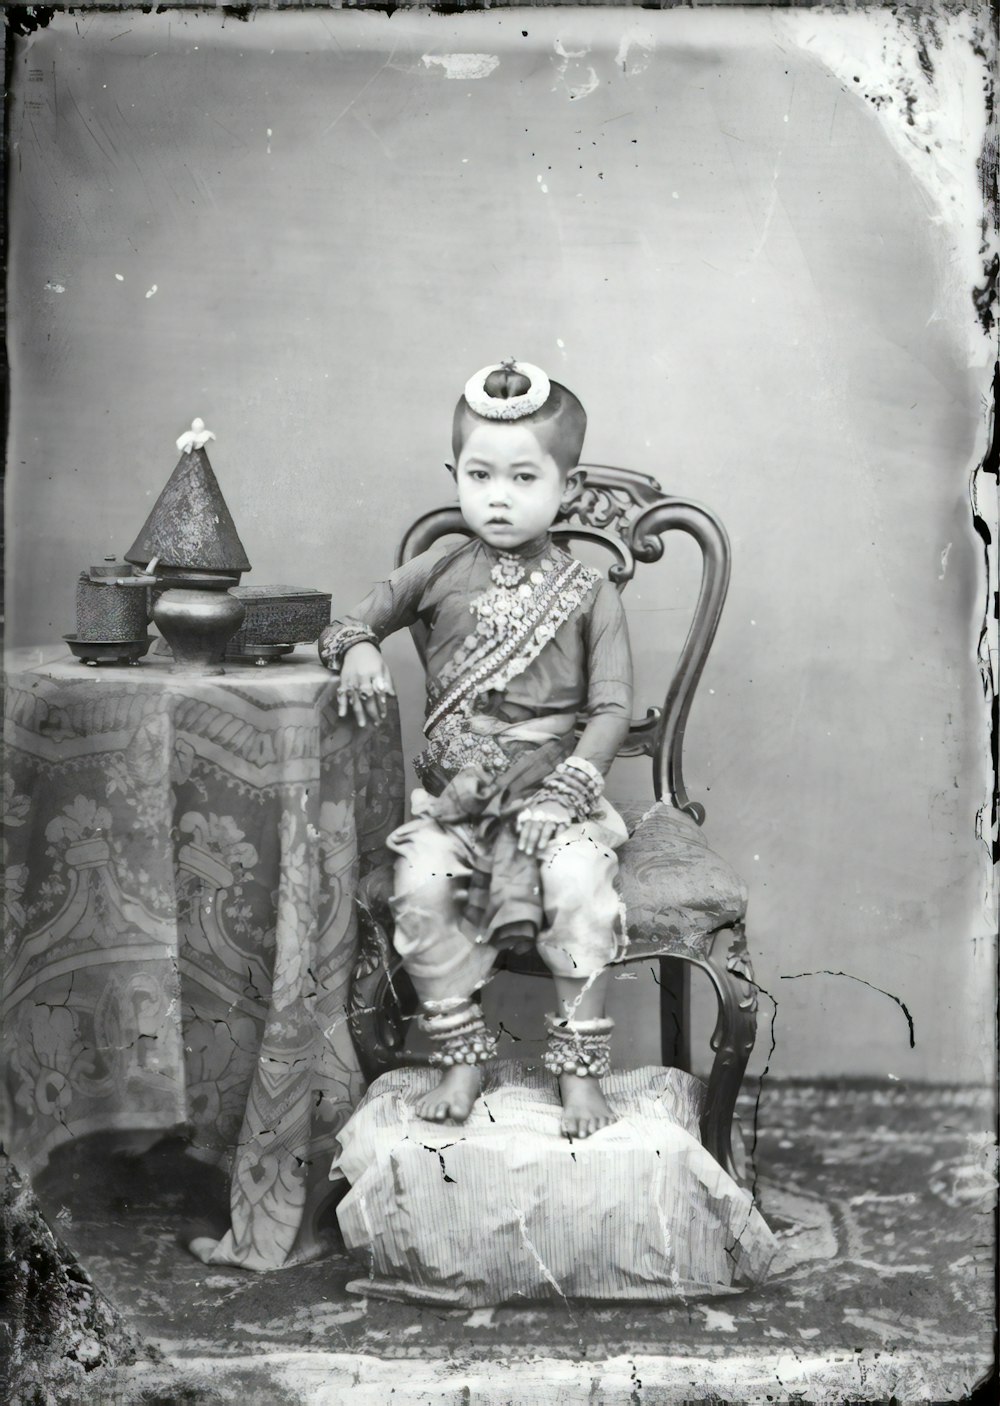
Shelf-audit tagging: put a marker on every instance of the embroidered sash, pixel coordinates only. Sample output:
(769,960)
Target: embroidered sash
(516,620)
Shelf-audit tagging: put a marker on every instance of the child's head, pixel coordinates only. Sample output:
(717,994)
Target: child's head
(518,393)
(517,440)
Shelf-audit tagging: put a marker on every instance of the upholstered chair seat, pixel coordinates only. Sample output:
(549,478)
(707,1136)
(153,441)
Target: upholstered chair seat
(678,892)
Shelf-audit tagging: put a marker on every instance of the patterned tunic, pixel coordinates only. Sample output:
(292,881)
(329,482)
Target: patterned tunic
(585,669)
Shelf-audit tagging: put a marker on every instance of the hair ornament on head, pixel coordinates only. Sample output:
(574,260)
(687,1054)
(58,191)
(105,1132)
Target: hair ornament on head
(510,407)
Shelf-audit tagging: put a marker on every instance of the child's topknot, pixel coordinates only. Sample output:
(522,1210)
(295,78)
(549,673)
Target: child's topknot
(559,423)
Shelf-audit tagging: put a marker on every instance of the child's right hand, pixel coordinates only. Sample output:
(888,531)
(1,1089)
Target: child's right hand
(365,684)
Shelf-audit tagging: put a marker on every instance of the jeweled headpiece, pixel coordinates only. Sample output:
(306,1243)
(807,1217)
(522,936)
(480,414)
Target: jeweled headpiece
(508,407)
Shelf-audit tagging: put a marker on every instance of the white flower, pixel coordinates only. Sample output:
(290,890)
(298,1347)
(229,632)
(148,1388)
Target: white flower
(194,438)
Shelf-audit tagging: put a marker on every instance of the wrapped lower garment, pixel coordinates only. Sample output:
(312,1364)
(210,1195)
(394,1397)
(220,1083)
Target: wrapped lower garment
(503,1208)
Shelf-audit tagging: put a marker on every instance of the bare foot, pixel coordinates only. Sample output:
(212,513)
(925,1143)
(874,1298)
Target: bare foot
(454,1096)
(585,1109)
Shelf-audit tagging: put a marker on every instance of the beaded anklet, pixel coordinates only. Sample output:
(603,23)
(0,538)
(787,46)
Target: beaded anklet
(459,1031)
(581,1047)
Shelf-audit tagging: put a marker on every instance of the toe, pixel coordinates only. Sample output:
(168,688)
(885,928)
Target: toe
(202,1247)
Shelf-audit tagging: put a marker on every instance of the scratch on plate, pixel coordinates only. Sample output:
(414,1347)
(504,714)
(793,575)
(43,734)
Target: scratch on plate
(587,73)
(522,1221)
(924,75)
(641,40)
(717,1320)
(462,66)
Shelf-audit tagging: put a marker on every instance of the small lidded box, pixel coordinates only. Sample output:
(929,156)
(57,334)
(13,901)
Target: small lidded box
(278,617)
(111,603)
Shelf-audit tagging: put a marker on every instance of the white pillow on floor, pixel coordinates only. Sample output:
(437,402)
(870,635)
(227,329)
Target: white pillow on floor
(504,1208)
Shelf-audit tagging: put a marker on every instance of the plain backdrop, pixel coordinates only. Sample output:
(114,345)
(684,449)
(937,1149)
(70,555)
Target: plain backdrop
(311,229)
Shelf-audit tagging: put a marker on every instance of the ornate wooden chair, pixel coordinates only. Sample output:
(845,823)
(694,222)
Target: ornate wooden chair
(684,905)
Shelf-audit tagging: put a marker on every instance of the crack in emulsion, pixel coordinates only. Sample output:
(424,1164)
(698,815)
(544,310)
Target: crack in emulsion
(795,976)
(989,468)
(58,1005)
(439,1153)
(678,1030)
(522,1221)
(760,1087)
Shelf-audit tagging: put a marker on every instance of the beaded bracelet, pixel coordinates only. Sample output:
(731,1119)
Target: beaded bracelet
(334,644)
(575,784)
(578,805)
(575,763)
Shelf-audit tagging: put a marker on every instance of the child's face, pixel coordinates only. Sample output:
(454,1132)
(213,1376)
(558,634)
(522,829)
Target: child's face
(510,489)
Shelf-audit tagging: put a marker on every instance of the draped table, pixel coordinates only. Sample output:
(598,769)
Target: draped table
(182,858)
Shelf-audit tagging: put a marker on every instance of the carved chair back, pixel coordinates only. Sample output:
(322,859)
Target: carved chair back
(629,514)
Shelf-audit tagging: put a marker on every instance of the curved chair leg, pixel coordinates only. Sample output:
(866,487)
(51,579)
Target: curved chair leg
(321,1196)
(728,968)
(381,1004)
(675,1003)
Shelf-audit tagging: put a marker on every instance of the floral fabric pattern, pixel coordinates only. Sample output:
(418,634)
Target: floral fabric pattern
(182,857)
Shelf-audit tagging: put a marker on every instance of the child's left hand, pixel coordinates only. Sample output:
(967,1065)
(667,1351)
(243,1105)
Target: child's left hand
(538,825)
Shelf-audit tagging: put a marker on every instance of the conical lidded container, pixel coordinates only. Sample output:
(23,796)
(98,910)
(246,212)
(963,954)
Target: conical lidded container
(192,537)
(190,525)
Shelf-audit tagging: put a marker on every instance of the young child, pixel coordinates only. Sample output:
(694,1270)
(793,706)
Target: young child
(511,835)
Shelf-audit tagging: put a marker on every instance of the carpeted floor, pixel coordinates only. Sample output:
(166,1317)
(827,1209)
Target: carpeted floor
(882,1199)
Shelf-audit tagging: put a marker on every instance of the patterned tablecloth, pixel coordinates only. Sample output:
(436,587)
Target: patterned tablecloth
(182,855)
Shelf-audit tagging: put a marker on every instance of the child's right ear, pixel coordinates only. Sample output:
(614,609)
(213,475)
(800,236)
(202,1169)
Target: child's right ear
(451,469)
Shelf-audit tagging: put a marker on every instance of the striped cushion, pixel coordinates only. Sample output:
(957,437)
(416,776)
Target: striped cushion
(504,1208)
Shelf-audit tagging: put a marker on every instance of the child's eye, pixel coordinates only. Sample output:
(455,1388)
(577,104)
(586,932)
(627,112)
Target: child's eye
(527,478)
(478,474)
